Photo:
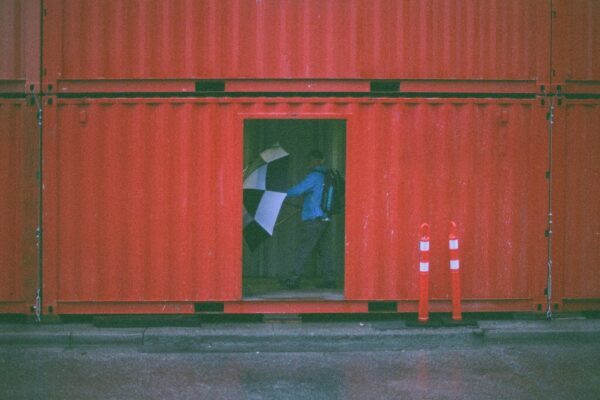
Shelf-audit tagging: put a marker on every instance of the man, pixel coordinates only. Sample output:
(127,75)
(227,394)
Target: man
(315,224)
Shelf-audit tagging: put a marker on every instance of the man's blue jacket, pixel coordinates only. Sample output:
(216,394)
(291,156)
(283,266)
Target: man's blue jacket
(312,189)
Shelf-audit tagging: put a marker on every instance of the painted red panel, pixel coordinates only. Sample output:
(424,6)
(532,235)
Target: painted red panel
(20,33)
(578,203)
(142,199)
(576,45)
(18,205)
(478,163)
(486,40)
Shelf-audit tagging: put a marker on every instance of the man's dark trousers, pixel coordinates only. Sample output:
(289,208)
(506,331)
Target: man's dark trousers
(313,237)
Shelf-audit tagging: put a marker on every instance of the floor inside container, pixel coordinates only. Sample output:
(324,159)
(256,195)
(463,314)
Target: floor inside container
(270,289)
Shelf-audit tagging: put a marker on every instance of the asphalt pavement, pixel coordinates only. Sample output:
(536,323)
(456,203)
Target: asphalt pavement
(548,371)
(293,357)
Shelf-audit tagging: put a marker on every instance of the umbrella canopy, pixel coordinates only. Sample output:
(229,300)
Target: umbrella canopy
(264,192)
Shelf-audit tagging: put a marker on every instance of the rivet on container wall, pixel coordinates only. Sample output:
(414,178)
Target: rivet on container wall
(82,117)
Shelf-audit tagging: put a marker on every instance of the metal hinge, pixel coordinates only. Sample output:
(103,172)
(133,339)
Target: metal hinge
(38,236)
(37,308)
(38,105)
(550,115)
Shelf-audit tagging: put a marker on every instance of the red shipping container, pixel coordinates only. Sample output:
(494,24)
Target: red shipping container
(577,205)
(576,45)
(475,45)
(131,226)
(143,201)
(20,47)
(19,206)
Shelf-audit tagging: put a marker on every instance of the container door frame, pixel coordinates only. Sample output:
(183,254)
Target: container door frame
(265,115)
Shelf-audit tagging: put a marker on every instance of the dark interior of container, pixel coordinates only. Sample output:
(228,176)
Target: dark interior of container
(264,267)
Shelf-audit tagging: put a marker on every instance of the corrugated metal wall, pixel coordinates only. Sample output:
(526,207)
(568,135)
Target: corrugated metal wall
(576,45)
(576,69)
(141,203)
(20,64)
(494,40)
(20,33)
(578,203)
(19,154)
(479,163)
(10,23)
(151,238)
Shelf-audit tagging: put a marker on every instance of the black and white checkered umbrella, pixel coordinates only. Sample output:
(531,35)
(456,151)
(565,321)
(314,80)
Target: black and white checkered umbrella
(264,192)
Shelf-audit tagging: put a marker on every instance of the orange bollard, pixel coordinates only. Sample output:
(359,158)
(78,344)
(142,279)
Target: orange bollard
(455,272)
(424,273)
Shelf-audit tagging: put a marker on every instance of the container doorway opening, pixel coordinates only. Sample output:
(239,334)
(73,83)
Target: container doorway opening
(268,266)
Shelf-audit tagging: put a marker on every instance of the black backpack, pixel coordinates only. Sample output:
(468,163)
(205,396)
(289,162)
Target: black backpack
(334,187)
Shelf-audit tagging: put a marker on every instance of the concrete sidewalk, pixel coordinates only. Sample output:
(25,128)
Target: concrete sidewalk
(302,337)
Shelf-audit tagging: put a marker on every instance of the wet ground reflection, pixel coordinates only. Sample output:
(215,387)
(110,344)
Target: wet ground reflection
(484,372)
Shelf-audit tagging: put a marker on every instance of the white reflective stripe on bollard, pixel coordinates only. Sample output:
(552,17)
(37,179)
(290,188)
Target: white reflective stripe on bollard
(454,264)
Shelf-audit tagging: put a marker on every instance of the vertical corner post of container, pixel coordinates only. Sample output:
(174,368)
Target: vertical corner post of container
(424,273)
(455,272)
